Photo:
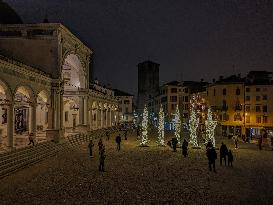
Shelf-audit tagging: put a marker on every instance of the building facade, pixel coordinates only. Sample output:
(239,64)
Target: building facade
(243,106)
(44,85)
(125,106)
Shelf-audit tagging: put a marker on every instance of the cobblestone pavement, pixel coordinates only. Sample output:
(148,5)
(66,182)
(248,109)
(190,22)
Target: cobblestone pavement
(143,175)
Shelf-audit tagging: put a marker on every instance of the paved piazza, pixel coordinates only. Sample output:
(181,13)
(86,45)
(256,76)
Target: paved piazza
(150,175)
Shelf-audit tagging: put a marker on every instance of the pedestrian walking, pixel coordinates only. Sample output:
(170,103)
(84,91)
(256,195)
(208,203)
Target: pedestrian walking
(100,145)
(185,148)
(212,156)
(230,158)
(174,143)
(31,139)
(90,146)
(118,141)
(223,153)
(101,159)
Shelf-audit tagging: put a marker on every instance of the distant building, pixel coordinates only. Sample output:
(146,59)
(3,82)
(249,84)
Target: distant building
(148,82)
(243,106)
(125,108)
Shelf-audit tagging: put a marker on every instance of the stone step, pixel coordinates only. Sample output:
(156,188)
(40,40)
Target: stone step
(22,164)
(27,153)
(34,158)
(23,150)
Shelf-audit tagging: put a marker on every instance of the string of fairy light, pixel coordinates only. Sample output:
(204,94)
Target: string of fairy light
(144,127)
(161,133)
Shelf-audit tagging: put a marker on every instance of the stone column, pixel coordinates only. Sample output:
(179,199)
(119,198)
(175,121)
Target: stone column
(86,112)
(33,123)
(10,124)
(110,117)
(97,118)
(56,132)
(81,111)
(101,118)
(106,118)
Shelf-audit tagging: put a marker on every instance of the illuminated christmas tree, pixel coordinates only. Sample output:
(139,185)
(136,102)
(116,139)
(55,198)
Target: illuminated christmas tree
(210,127)
(161,133)
(193,124)
(177,125)
(144,127)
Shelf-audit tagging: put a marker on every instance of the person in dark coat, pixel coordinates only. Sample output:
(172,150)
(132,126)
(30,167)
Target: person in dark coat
(90,146)
(223,153)
(101,160)
(100,145)
(174,143)
(185,148)
(31,139)
(230,158)
(212,156)
(138,133)
(118,141)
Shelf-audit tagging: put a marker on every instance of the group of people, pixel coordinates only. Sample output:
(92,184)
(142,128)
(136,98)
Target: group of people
(101,148)
(212,155)
(173,144)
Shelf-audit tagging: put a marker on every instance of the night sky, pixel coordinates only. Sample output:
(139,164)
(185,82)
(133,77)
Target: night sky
(191,39)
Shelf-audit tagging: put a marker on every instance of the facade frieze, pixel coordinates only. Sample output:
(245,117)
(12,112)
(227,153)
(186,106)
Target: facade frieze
(22,71)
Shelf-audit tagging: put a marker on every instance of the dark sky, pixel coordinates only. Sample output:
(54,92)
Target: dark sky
(190,38)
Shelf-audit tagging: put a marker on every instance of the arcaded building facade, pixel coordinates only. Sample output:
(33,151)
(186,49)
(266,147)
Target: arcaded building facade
(45,88)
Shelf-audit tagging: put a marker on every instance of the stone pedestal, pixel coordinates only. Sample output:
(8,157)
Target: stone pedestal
(54,135)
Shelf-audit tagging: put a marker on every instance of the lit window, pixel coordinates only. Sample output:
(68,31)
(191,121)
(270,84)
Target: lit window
(247,108)
(265,119)
(258,119)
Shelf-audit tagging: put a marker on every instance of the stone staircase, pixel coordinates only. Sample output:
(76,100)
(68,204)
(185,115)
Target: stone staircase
(20,158)
(23,157)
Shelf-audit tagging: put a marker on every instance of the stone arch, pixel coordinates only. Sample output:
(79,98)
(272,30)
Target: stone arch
(73,72)
(43,102)
(5,89)
(25,90)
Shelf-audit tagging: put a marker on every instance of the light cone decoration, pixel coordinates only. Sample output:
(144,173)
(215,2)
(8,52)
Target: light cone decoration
(210,127)
(161,133)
